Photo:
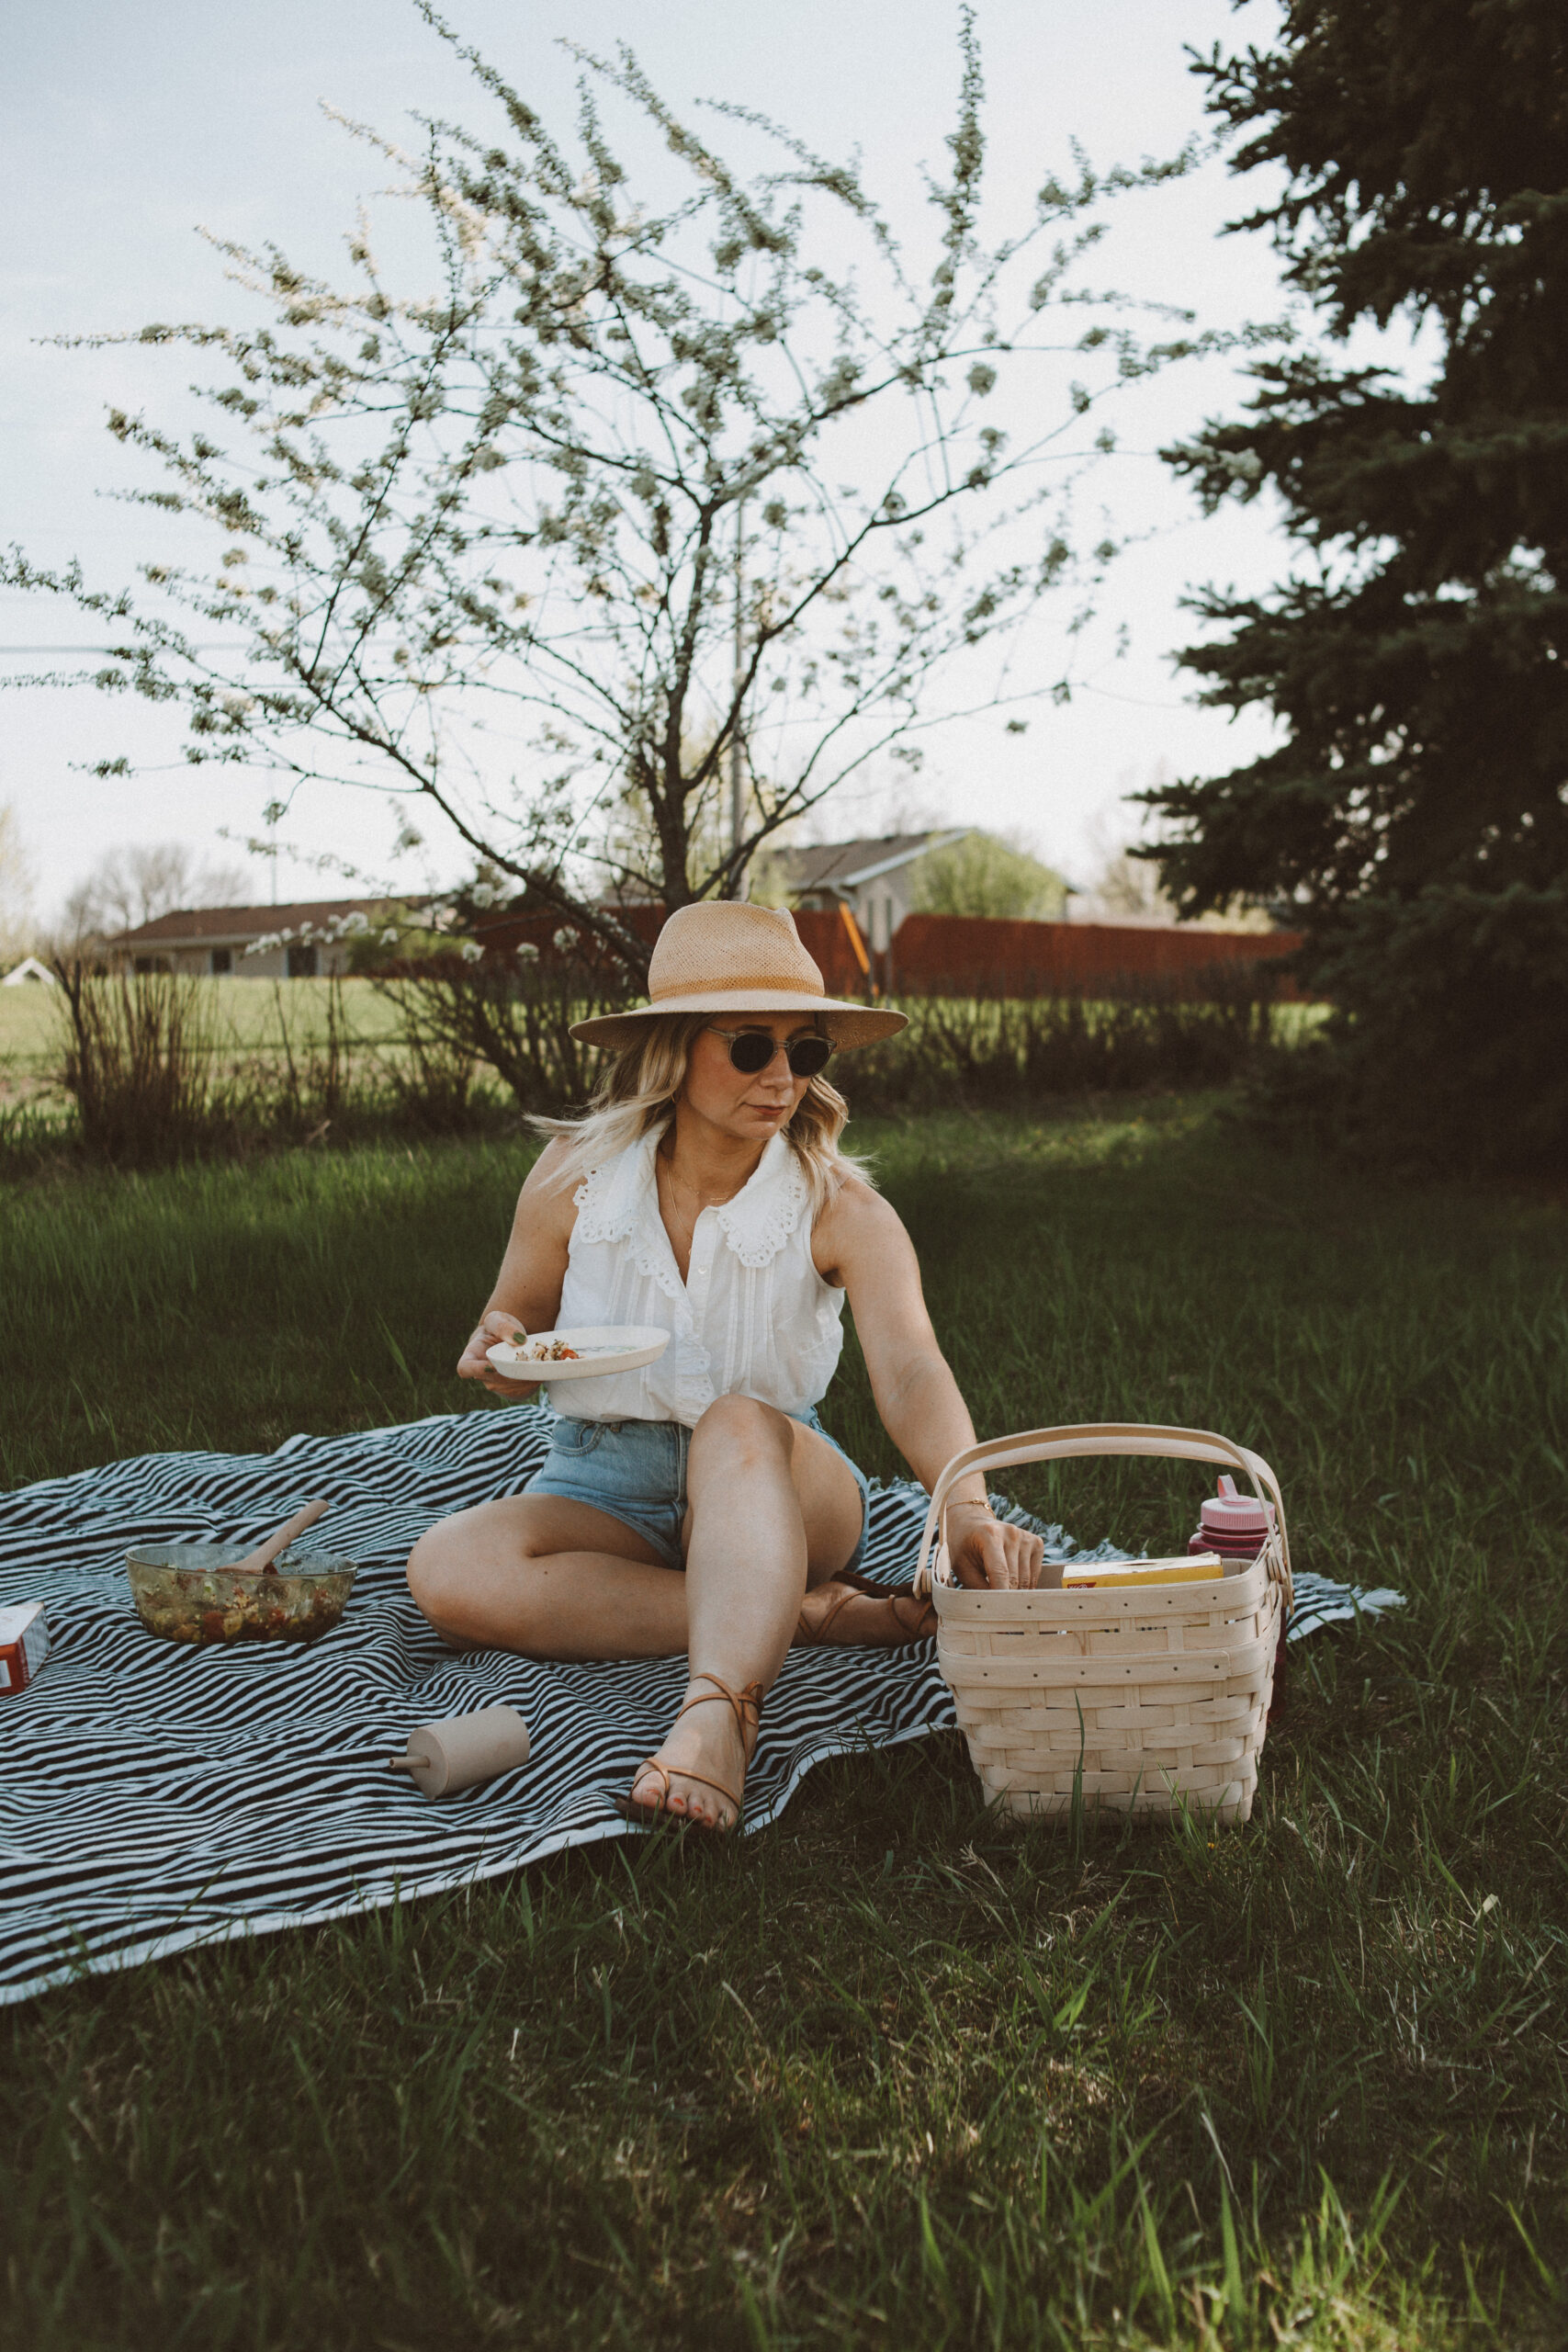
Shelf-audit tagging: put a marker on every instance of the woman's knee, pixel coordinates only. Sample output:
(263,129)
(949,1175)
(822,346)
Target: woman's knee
(446,1583)
(444,1562)
(740,1428)
(434,1573)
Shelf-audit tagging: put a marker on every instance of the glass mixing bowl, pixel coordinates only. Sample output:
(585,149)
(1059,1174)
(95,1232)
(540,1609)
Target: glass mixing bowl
(190,1592)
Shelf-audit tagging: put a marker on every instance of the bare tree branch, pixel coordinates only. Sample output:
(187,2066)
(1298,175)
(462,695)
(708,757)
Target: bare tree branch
(517,502)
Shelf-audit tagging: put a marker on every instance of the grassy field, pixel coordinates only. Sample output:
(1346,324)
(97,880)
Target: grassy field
(892,2070)
(239,1066)
(259,1065)
(245,1013)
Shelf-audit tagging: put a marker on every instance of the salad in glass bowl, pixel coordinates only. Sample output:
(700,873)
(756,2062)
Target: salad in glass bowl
(193,1592)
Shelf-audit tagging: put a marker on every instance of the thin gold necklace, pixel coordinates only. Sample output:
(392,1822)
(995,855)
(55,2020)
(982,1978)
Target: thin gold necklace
(665,1169)
(667,1190)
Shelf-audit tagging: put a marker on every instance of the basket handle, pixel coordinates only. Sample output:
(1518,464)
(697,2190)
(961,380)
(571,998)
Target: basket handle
(1090,1438)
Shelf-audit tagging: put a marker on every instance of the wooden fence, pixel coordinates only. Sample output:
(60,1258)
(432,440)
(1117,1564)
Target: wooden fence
(976,955)
(981,955)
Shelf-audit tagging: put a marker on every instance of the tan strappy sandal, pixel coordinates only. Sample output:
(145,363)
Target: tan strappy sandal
(746,1707)
(914,1618)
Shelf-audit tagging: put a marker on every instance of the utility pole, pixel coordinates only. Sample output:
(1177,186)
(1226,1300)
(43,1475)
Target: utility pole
(736,786)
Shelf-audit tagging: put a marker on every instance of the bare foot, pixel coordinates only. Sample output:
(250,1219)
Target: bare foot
(704,1744)
(838,1613)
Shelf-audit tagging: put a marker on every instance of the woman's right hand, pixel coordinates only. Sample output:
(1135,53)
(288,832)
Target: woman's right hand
(475,1364)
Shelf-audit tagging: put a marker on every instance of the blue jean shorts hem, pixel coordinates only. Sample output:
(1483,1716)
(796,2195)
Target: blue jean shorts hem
(636,1472)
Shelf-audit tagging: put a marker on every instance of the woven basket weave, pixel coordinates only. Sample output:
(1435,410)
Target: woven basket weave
(1137,1700)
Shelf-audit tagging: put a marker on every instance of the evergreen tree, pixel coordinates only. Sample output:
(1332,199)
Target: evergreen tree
(1415,816)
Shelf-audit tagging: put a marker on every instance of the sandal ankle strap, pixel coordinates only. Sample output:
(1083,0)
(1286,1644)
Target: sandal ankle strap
(749,1697)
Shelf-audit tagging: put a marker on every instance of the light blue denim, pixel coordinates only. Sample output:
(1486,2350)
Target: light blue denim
(636,1472)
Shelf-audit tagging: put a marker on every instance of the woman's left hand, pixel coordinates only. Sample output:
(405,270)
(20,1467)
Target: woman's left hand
(987,1550)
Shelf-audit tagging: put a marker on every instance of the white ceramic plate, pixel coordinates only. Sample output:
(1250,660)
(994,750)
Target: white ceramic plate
(618,1347)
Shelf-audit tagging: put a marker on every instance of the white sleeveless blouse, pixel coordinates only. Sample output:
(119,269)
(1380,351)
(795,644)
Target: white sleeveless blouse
(753,1318)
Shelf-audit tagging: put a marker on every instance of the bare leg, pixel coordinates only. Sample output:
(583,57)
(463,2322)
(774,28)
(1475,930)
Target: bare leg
(548,1577)
(771,1504)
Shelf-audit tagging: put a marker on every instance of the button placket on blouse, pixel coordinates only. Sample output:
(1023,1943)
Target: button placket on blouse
(699,1265)
(699,1272)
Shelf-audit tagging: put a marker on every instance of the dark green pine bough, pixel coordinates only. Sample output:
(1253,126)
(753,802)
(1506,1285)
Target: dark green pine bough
(1414,819)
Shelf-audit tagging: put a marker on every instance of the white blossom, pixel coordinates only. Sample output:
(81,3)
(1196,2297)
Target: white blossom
(626,458)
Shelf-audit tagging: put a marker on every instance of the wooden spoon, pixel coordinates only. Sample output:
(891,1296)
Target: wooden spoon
(267,1552)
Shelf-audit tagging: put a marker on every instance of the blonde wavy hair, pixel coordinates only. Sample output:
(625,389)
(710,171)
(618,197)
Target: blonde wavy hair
(639,1091)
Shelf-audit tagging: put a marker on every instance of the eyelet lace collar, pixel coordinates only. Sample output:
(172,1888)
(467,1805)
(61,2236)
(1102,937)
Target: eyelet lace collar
(766,1210)
(621,1200)
(608,1198)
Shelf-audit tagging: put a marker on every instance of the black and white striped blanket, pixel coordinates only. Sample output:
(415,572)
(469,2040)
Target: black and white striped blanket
(153,1797)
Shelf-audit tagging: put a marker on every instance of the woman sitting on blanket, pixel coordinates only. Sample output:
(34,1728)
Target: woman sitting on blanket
(698,1505)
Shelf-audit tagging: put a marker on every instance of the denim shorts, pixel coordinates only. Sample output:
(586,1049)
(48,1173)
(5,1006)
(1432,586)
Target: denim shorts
(636,1472)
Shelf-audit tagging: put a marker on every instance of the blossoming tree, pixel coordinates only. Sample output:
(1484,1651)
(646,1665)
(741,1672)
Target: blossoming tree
(653,522)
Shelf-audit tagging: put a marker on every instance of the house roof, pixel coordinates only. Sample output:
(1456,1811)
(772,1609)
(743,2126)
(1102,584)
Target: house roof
(844,866)
(225,926)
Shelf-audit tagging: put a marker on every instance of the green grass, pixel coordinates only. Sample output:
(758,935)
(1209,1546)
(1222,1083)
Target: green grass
(269,1045)
(244,1012)
(192,1068)
(892,2071)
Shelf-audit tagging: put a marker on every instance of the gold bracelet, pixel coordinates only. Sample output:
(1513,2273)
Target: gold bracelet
(983,1505)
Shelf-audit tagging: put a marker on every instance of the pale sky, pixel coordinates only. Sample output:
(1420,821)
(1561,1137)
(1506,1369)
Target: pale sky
(121,129)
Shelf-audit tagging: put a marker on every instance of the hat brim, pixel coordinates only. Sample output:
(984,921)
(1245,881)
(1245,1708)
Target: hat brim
(848,1024)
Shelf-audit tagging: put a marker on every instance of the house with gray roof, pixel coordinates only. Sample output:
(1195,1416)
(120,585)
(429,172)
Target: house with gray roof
(883,878)
(873,877)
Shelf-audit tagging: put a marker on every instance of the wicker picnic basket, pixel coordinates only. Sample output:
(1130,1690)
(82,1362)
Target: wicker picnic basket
(1135,1700)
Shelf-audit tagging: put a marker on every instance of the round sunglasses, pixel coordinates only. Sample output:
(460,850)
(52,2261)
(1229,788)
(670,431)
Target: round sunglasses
(751,1050)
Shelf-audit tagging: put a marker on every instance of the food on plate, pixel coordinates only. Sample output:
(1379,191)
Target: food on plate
(577,1353)
(552,1351)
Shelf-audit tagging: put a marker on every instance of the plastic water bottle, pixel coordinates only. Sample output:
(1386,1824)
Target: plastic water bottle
(1235,1526)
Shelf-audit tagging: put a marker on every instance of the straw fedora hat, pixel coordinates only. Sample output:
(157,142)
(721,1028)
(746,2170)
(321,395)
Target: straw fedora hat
(725,955)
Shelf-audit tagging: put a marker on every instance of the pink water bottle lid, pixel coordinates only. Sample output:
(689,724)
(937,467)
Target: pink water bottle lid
(1228,1513)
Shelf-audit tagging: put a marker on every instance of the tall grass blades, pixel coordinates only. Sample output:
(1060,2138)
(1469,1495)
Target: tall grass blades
(1006,1053)
(136,1065)
(158,1068)
(985,1053)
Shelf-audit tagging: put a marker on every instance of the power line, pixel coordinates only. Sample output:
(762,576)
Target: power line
(119,651)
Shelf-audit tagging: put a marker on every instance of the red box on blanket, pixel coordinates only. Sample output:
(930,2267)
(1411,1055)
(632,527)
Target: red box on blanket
(24,1644)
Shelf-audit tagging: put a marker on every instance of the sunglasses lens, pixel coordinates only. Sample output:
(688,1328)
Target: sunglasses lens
(752,1051)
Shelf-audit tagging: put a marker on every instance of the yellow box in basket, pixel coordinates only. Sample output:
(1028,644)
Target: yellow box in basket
(1193,1567)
